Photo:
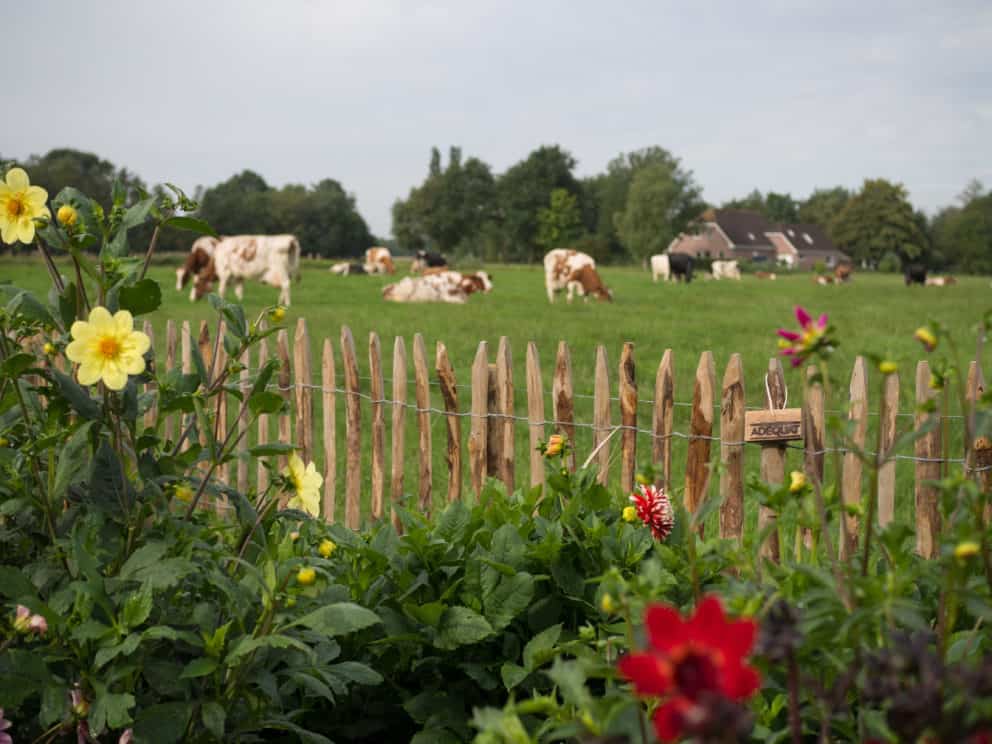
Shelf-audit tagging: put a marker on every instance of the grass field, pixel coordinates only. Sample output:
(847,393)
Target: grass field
(873,313)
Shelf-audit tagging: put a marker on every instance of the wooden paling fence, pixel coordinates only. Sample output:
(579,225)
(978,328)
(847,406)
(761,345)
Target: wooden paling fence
(715,436)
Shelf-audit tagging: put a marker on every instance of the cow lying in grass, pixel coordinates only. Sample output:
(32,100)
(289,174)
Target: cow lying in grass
(447,286)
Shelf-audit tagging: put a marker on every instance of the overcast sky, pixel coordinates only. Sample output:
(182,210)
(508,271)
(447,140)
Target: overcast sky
(783,96)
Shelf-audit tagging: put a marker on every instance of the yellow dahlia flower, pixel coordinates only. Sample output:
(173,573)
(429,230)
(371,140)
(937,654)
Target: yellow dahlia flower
(20,205)
(629,514)
(306,576)
(326,548)
(107,348)
(306,485)
(67,215)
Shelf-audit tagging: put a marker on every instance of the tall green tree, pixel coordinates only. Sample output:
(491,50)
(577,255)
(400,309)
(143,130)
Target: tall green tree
(524,190)
(560,222)
(823,206)
(775,207)
(648,223)
(963,234)
(879,220)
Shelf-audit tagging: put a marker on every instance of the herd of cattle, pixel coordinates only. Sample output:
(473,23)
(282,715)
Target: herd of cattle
(275,260)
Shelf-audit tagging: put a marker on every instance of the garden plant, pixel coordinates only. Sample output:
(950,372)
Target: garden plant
(144,600)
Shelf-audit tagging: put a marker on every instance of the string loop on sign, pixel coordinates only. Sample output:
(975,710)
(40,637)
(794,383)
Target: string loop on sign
(768,396)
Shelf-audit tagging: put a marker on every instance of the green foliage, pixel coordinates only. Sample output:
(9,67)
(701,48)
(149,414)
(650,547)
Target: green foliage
(559,223)
(822,207)
(963,234)
(878,220)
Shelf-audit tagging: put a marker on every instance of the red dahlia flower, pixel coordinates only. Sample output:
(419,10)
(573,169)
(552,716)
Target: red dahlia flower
(654,508)
(801,345)
(691,663)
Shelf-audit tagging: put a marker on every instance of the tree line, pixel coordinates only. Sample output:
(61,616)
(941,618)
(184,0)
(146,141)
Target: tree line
(633,209)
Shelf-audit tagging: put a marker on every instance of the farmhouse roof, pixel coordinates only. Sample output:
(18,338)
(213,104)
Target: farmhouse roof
(808,239)
(742,228)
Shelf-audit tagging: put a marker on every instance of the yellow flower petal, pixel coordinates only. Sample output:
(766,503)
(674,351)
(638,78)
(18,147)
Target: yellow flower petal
(89,372)
(37,197)
(124,322)
(8,232)
(25,231)
(17,179)
(100,316)
(114,376)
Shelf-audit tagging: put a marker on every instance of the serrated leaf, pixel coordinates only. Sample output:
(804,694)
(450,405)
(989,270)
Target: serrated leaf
(72,464)
(145,556)
(512,675)
(265,402)
(540,648)
(356,672)
(511,596)
(247,645)
(164,723)
(137,607)
(338,619)
(214,716)
(77,395)
(14,584)
(142,297)
(110,710)
(192,224)
(199,668)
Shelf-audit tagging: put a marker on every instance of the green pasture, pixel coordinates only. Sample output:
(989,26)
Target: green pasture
(874,313)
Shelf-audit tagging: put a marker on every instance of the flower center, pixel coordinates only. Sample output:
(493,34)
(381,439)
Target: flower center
(696,673)
(109,347)
(16,207)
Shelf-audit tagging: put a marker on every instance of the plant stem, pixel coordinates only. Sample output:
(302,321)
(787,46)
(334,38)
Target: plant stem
(151,249)
(50,265)
(795,721)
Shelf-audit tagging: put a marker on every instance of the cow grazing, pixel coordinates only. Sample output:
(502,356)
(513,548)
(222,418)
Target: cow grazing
(272,259)
(427,260)
(585,282)
(765,275)
(660,267)
(198,259)
(681,264)
(823,280)
(559,266)
(379,260)
(726,270)
(915,274)
(347,269)
(843,272)
(940,281)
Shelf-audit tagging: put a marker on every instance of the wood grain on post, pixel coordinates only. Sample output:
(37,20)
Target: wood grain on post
(377,390)
(422,384)
(477,435)
(853,467)
(663,418)
(286,391)
(220,424)
(732,450)
(494,442)
(353,433)
(151,414)
(398,427)
(628,417)
(449,393)
(504,404)
(697,469)
(928,452)
(245,384)
(601,423)
(563,398)
(186,347)
(974,387)
(814,437)
(170,364)
(263,422)
(302,374)
(535,414)
(979,455)
(887,436)
(772,461)
(206,353)
(328,383)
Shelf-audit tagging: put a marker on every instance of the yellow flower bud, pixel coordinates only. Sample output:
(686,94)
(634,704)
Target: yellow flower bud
(798,481)
(48,348)
(326,548)
(936,383)
(183,492)
(290,602)
(277,314)
(926,337)
(887,367)
(642,479)
(67,216)
(306,576)
(294,535)
(966,550)
(629,514)
(4,441)
(608,605)
(554,446)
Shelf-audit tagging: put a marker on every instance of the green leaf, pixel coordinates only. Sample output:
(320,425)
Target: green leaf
(358,673)
(461,626)
(137,607)
(213,716)
(540,648)
(191,224)
(124,648)
(428,614)
(265,402)
(452,523)
(512,674)
(247,645)
(14,584)
(77,396)
(338,619)
(199,668)
(29,307)
(16,364)
(275,448)
(164,723)
(571,681)
(142,297)
(511,596)
(145,556)
(137,213)
(165,574)
(71,466)
(110,710)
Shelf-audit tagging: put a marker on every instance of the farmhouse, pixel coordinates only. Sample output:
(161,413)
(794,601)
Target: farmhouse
(748,236)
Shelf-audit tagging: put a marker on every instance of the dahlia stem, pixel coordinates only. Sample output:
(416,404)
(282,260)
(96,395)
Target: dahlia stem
(148,255)
(795,721)
(50,265)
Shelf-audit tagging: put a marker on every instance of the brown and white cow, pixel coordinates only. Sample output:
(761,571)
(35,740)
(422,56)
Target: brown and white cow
(379,260)
(586,283)
(272,259)
(424,289)
(843,272)
(940,281)
(765,275)
(197,261)
(477,281)
(560,265)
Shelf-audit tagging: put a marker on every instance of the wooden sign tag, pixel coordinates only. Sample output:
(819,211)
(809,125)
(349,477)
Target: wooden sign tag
(773,426)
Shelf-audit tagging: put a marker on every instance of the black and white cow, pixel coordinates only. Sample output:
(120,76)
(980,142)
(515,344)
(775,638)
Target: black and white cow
(681,266)
(427,260)
(915,274)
